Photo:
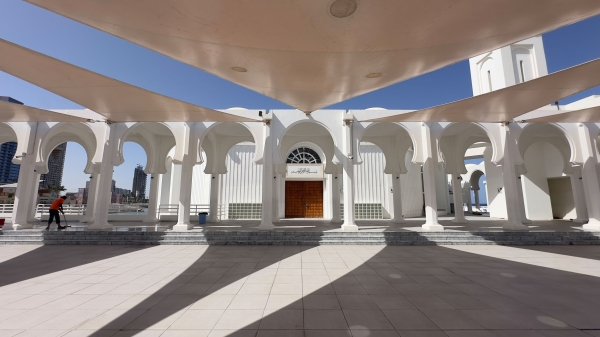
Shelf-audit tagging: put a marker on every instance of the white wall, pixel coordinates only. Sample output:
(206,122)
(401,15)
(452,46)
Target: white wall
(535,184)
(493,174)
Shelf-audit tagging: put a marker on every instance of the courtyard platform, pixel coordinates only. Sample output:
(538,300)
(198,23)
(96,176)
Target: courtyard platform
(299,291)
(479,230)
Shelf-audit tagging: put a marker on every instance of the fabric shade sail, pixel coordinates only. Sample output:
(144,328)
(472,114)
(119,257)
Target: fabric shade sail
(13,112)
(589,115)
(311,54)
(115,100)
(505,104)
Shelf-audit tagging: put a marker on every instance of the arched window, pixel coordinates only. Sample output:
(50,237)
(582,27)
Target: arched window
(303,155)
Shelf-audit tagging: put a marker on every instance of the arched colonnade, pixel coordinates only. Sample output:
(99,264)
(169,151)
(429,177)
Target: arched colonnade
(336,137)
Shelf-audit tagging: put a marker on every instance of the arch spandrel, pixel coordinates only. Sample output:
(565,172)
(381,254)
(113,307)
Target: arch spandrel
(453,147)
(53,134)
(394,145)
(558,135)
(157,139)
(330,120)
(216,139)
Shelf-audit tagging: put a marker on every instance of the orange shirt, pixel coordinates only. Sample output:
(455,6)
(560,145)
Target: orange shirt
(57,203)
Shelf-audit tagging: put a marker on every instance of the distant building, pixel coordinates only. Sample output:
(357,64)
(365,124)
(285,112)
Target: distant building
(56,164)
(139,182)
(9,172)
(82,196)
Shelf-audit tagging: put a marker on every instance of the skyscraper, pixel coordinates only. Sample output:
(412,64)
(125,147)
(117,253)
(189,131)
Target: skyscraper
(139,182)
(9,172)
(56,164)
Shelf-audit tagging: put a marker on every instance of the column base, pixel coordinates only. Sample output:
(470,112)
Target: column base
(460,220)
(581,220)
(350,228)
(526,221)
(592,225)
(266,226)
(18,226)
(100,226)
(434,227)
(515,227)
(182,227)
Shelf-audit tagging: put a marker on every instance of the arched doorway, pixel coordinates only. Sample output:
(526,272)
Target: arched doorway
(304,184)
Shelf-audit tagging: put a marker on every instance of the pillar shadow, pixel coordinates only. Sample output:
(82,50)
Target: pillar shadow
(392,288)
(45,260)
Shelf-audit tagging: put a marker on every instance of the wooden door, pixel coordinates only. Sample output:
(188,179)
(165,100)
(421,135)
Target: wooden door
(303,199)
(313,199)
(294,199)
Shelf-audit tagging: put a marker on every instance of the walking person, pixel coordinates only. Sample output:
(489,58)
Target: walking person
(57,206)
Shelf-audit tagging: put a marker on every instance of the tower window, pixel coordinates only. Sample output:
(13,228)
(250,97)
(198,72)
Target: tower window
(490,80)
(522,72)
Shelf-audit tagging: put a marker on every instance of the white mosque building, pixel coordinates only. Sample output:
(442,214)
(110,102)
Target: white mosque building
(336,166)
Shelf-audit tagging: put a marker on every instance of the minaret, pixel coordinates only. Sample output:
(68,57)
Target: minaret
(510,65)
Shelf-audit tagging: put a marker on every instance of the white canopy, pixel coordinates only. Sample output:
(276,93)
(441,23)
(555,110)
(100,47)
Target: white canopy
(115,100)
(589,115)
(314,53)
(12,112)
(505,104)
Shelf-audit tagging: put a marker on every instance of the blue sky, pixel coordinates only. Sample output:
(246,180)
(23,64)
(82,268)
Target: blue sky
(86,47)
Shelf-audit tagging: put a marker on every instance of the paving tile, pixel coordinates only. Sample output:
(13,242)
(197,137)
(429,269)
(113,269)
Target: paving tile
(324,320)
(276,302)
(494,319)
(197,320)
(422,334)
(451,319)
(239,319)
(409,320)
(357,302)
(249,302)
(367,320)
(154,320)
(428,302)
(392,302)
(111,320)
(321,302)
(282,320)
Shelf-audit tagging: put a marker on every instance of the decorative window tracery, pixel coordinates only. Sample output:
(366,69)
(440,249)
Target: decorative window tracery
(303,155)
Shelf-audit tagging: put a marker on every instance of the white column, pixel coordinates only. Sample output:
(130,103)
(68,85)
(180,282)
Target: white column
(185,187)
(26,185)
(266,220)
(590,177)
(509,178)
(477,205)
(153,198)
(469,201)
(277,197)
(105,181)
(33,199)
(348,179)
(459,211)
(429,161)
(281,213)
(175,183)
(215,182)
(165,186)
(578,196)
(91,199)
(335,198)
(521,196)
(397,199)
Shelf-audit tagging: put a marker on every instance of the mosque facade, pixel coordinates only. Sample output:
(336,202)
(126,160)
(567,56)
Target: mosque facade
(334,166)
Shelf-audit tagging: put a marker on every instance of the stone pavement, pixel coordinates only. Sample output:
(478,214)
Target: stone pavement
(357,291)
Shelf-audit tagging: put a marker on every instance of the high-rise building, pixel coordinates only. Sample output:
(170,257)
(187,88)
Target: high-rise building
(56,164)
(9,172)
(139,182)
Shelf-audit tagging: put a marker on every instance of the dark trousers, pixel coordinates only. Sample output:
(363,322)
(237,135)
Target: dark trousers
(54,215)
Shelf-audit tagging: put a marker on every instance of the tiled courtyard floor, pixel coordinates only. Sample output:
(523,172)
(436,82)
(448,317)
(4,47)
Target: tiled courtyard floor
(282,291)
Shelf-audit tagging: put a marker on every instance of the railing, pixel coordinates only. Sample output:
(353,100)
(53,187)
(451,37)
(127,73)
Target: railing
(128,209)
(42,209)
(6,208)
(173,209)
